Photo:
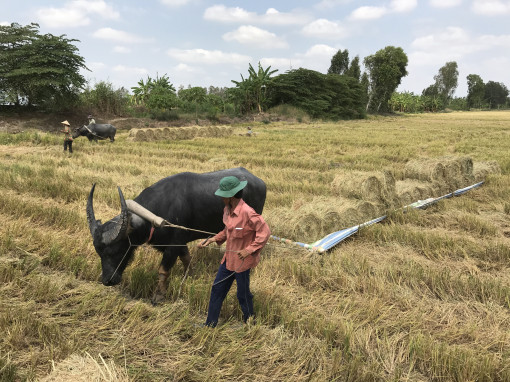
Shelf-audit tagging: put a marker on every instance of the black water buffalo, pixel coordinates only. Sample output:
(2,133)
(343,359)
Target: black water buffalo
(186,199)
(96,131)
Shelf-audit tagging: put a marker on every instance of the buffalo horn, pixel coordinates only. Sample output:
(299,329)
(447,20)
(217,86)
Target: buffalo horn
(93,223)
(119,230)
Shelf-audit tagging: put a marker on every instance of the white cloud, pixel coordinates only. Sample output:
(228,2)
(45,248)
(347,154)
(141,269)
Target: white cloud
(118,36)
(282,64)
(96,66)
(451,36)
(204,56)
(447,45)
(185,68)
(494,41)
(5,23)
(255,37)
(403,5)
(175,3)
(320,50)
(121,49)
(368,13)
(227,15)
(494,69)
(274,17)
(221,13)
(327,4)
(372,13)
(64,17)
(130,70)
(76,13)
(323,28)
(444,3)
(453,43)
(317,57)
(491,7)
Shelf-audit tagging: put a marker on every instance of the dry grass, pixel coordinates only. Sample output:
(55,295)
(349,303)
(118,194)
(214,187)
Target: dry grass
(424,296)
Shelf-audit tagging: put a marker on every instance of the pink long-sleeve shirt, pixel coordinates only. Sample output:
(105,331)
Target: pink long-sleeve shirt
(244,229)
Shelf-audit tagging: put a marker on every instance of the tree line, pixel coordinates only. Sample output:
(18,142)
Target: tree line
(43,71)
(440,95)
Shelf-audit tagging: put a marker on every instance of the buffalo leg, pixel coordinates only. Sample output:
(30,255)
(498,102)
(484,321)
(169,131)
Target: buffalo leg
(186,260)
(168,261)
(160,292)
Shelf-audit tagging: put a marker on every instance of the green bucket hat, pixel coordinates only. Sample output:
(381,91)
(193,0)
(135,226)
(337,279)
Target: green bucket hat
(229,186)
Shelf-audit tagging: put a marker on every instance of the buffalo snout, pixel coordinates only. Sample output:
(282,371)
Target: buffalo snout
(111,280)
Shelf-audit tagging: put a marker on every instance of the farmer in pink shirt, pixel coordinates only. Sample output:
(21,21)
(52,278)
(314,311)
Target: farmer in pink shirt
(246,233)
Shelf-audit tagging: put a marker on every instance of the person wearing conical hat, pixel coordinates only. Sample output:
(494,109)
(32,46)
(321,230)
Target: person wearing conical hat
(68,138)
(245,234)
(91,119)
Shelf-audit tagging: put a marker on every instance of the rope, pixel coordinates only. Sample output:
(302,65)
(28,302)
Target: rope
(230,275)
(168,224)
(187,269)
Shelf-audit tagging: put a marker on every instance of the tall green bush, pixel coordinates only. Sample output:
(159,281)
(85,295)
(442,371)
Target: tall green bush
(104,99)
(329,96)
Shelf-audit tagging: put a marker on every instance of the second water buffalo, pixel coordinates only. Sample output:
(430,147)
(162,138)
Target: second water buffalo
(96,131)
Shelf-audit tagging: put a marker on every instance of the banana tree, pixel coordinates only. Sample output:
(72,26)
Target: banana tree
(252,90)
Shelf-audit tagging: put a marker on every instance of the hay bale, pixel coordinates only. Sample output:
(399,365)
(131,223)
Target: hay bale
(172,133)
(425,170)
(215,132)
(446,173)
(378,187)
(482,169)
(132,135)
(207,132)
(187,132)
(410,190)
(312,220)
(222,131)
(450,170)
(228,130)
(466,165)
(149,134)
(158,133)
(165,133)
(140,135)
(178,133)
(458,171)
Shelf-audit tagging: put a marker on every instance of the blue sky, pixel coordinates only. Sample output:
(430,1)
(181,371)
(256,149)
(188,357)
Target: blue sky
(203,43)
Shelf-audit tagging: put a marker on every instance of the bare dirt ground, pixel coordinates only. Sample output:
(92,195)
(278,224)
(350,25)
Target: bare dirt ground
(18,122)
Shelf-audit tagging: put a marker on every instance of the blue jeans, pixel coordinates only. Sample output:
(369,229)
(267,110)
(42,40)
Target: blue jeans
(220,289)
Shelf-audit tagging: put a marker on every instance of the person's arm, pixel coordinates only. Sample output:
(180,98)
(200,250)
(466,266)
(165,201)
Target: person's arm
(219,238)
(261,236)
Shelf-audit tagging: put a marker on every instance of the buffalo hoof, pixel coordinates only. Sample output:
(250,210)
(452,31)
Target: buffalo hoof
(158,298)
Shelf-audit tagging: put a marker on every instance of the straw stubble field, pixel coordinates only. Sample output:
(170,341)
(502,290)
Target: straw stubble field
(422,296)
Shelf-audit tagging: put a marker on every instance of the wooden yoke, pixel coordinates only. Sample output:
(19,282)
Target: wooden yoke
(143,212)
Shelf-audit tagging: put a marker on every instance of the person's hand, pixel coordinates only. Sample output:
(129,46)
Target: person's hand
(243,253)
(205,243)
